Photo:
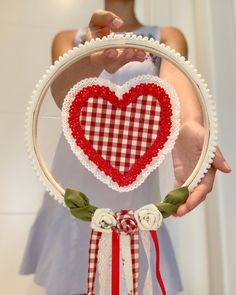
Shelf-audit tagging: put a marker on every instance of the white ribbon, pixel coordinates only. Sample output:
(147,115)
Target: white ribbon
(145,236)
(104,255)
(127,261)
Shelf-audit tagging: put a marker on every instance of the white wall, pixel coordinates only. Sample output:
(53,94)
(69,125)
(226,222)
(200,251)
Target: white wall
(27,28)
(223,37)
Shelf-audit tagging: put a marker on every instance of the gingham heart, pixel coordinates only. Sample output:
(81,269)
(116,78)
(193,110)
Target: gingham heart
(119,130)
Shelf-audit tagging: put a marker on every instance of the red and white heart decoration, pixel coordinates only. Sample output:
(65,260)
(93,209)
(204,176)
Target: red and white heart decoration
(121,133)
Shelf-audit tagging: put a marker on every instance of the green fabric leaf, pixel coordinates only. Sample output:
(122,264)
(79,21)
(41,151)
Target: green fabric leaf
(172,201)
(79,205)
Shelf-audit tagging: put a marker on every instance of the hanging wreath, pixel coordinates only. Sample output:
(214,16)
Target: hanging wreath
(121,133)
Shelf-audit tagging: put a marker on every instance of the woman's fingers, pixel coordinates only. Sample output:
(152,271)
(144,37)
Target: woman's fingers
(103,18)
(199,194)
(114,60)
(102,23)
(124,56)
(219,162)
(127,54)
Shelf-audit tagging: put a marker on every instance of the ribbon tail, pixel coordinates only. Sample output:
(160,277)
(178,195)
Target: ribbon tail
(158,274)
(93,256)
(147,289)
(134,243)
(115,285)
(125,246)
(104,255)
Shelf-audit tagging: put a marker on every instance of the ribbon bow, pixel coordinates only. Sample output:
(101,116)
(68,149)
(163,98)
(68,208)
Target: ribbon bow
(118,234)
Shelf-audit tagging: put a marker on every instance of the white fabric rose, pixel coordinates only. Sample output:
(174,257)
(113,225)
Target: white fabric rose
(103,220)
(148,217)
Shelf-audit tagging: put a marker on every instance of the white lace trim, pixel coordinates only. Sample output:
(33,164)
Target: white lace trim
(104,257)
(127,262)
(120,90)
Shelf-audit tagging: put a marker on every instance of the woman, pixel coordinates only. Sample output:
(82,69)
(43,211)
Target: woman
(58,244)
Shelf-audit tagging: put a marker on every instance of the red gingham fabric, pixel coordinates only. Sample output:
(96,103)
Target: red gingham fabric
(134,243)
(121,135)
(92,266)
(126,222)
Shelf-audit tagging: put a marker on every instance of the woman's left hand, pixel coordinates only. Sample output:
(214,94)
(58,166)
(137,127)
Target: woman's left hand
(185,154)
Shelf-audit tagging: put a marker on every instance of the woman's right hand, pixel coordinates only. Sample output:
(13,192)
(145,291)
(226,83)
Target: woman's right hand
(103,23)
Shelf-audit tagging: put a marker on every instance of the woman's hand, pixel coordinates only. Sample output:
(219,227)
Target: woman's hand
(103,23)
(186,154)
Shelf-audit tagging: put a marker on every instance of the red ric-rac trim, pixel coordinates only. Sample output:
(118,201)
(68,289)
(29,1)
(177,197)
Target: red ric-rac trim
(104,92)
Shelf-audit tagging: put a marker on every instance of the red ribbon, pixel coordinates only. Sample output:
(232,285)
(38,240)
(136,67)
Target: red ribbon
(115,263)
(93,257)
(158,274)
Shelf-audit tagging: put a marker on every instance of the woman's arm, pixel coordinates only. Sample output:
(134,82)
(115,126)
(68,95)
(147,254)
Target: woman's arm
(190,141)
(190,108)
(63,42)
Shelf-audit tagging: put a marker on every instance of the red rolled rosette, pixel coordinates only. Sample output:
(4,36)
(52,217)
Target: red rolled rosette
(126,223)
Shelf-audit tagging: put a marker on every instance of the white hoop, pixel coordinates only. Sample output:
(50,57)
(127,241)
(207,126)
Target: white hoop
(121,41)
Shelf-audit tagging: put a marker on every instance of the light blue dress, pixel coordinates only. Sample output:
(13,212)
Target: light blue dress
(58,244)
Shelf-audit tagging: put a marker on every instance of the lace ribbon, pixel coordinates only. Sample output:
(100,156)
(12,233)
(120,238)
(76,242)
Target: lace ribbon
(145,236)
(127,261)
(104,255)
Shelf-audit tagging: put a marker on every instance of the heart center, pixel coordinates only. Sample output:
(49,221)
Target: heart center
(121,135)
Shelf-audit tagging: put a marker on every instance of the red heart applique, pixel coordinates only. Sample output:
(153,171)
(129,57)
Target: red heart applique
(121,135)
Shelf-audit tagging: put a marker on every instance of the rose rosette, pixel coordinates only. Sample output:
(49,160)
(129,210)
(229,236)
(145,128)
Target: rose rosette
(126,223)
(148,217)
(103,220)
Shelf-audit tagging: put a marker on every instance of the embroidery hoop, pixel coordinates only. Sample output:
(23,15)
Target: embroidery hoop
(122,41)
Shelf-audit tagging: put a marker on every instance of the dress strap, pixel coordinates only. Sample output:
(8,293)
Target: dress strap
(78,37)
